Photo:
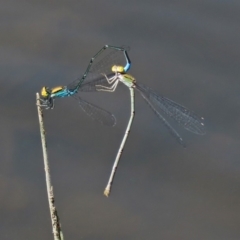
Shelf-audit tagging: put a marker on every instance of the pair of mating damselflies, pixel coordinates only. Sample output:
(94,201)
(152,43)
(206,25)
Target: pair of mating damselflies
(106,69)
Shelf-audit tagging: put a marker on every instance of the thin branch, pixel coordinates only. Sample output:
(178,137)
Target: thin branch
(57,232)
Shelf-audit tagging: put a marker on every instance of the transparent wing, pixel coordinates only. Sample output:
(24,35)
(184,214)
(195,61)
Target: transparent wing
(171,130)
(97,113)
(91,86)
(100,63)
(189,120)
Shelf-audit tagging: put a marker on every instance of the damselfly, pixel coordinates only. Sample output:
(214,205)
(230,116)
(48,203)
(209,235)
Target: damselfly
(101,60)
(189,120)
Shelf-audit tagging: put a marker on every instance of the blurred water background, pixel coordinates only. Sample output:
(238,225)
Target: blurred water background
(189,51)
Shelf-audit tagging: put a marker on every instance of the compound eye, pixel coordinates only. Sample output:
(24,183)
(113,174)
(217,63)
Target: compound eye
(45,92)
(118,69)
(114,68)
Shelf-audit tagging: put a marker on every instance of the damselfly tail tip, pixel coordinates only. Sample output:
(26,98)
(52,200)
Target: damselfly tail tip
(106,191)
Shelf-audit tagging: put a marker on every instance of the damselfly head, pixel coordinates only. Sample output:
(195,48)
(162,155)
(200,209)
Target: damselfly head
(118,69)
(45,92)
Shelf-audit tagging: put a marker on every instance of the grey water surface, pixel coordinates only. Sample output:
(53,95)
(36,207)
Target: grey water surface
(188,51)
